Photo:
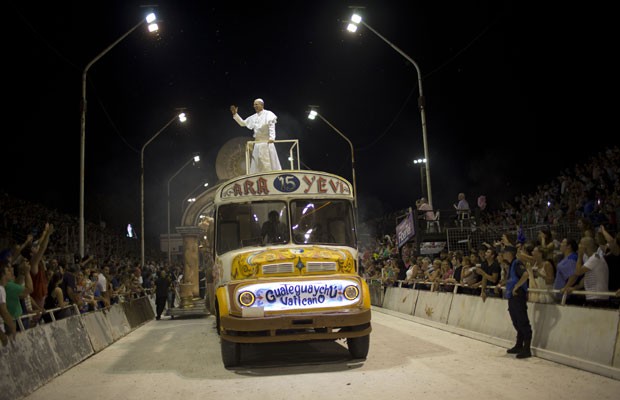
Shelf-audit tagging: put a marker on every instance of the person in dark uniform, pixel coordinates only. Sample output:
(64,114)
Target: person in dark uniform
(516,293)
(162,286)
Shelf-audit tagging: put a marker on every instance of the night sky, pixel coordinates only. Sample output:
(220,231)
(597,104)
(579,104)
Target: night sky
(505,83)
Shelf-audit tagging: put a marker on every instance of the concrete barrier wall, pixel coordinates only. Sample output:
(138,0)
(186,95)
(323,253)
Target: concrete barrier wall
(43,352)
(144,306)
(434,306)
(401,300)
(132,313)
(616,362)
(99,330)
(376,293)
(40,354)
(119,325)
(581,337)
(489,318)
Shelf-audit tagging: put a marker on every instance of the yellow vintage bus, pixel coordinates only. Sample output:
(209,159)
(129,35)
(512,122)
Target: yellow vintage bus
(286,262)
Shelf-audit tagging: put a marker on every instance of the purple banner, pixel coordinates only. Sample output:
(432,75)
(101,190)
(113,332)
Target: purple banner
(405,230)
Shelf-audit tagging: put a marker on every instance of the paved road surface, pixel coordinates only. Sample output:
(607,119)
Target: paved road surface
(180,359)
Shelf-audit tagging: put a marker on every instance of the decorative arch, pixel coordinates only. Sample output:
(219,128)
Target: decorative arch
(195,225)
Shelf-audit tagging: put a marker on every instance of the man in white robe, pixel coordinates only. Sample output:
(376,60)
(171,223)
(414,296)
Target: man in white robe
(263,123)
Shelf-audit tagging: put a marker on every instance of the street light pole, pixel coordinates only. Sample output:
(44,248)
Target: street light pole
(313,113)
(153,27)
(195,158)
(356,19)
(205,184)
(181,118)
(422,162)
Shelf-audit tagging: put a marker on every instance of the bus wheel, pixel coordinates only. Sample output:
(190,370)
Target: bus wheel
(217,319)
(231,353)
(358,346)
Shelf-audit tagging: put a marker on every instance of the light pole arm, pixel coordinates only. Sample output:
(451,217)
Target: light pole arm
(168,200)
(110,47)
(158,132)
(142,185)
(402,53)
(94,60)
(189,195)
(352,155)
(178,172)
(83,129)
(421,105)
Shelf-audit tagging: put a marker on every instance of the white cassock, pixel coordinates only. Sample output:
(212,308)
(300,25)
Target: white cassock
(264,155)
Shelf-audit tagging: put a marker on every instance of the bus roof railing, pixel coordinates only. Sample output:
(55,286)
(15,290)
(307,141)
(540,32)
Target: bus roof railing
(293,152)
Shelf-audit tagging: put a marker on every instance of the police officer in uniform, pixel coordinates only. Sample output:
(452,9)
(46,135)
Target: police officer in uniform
(516,293)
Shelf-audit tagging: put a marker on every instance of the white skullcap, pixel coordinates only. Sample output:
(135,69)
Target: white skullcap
(261,100)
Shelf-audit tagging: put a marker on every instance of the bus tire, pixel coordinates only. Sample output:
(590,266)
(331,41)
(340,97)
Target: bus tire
(358,346)
(231,353)
(217,319)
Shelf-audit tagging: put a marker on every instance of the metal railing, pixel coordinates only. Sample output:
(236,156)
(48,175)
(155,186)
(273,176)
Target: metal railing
(39,315)
(76,310)
(293,152)
(474,233)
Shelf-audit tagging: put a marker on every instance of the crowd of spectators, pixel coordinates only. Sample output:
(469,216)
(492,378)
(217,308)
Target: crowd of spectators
(38,289)
(590,265)
(590,192)
(589,197)
(40,284)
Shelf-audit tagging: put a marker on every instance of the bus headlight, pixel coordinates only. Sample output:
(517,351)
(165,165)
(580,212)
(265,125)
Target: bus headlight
(351,292)
(246,298)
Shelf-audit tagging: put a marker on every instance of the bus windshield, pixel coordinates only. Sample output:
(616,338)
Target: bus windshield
(251,224)
(322,222)
(267,223)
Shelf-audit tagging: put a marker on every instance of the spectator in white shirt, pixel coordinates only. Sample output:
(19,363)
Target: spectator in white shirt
(596,272)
